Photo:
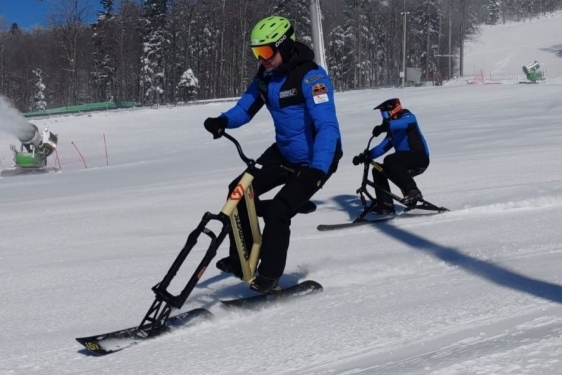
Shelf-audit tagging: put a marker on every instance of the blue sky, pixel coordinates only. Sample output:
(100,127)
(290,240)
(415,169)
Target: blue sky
(32,12)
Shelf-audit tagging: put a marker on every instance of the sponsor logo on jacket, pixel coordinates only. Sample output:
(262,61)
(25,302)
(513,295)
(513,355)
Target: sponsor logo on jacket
(287,93)
(320,93)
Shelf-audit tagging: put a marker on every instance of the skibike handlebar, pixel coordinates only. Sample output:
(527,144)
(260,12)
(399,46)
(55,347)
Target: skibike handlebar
(369,143)
(251,163)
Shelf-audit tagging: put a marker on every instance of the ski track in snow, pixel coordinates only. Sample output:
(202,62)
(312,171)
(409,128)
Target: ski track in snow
(495,343)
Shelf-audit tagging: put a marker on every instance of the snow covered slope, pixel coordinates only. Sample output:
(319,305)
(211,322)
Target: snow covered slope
(474,291)
(502,50)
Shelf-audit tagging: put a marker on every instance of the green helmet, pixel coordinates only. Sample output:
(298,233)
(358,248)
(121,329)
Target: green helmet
(274,29)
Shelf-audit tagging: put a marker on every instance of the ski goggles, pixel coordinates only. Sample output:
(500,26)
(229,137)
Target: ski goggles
(390,111)
(264,52)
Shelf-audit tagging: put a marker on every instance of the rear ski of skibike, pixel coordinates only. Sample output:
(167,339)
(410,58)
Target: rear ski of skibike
(258,301)
(421,209)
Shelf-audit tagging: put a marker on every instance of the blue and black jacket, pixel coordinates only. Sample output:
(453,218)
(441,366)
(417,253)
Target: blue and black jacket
(403,134)
(300,97)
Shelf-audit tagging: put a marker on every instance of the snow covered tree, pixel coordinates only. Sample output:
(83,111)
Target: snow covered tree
(424,32)
(298,12)
(493,11)
(138,50)
(127,46)
(189,85)
(104,55)
(337,56)
(357,37)
(39,103)
(152,66)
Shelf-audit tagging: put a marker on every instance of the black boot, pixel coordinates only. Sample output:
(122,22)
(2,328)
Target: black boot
(383,208)
(264,285)
(230,265)
(412,197)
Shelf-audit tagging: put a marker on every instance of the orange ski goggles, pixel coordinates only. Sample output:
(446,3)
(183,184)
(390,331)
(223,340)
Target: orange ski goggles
(264,52)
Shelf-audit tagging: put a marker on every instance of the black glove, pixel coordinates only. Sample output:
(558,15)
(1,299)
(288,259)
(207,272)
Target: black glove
(363,157)
(216,125)
(311,178)
(379,129)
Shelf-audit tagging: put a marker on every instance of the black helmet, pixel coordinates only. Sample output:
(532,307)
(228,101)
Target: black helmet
(390,108)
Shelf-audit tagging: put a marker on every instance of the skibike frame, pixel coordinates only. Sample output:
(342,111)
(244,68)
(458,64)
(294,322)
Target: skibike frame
(229,217)
(158,320)
(363,192)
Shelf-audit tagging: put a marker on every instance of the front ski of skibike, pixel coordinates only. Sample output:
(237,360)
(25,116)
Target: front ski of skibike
(367,216)
(158,319)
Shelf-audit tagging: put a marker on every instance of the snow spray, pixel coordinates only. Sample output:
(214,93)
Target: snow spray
(13,122)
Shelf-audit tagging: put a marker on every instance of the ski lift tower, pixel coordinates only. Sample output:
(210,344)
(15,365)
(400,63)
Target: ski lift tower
(317,35)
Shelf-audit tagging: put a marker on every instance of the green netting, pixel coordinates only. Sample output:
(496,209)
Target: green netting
(104,106)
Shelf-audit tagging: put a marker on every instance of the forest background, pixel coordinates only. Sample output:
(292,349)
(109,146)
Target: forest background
(170,51)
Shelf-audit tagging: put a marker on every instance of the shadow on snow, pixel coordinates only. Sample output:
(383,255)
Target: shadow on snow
(489,271)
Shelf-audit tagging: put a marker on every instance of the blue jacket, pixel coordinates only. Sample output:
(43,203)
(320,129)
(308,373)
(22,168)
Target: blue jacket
(300,97)
(403,134)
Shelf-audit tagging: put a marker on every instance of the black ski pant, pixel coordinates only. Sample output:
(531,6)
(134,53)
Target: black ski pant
(400,168)
(277,212)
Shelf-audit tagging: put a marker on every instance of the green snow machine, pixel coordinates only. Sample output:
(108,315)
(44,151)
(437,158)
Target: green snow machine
(533,73)
(34,150)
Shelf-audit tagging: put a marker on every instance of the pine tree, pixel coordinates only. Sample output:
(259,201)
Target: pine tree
(189,83)
(357,41)
(493,12)
(298,12)
(152,65)
(128,50)
(39,103)
(104,51)
(15,28)
(424,32)
(336,56)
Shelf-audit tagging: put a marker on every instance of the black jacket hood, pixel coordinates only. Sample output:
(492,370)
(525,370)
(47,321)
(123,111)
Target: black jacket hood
(301,53)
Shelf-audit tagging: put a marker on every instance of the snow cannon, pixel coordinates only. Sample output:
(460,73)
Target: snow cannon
(28,134)
(35,148)
(532,72)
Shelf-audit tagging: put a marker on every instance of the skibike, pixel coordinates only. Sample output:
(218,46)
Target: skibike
(158,319)
(369,202)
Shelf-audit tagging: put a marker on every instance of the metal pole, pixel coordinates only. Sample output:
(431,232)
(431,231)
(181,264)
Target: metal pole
(317,35)
(404,48)
(450,30)
(461,49)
